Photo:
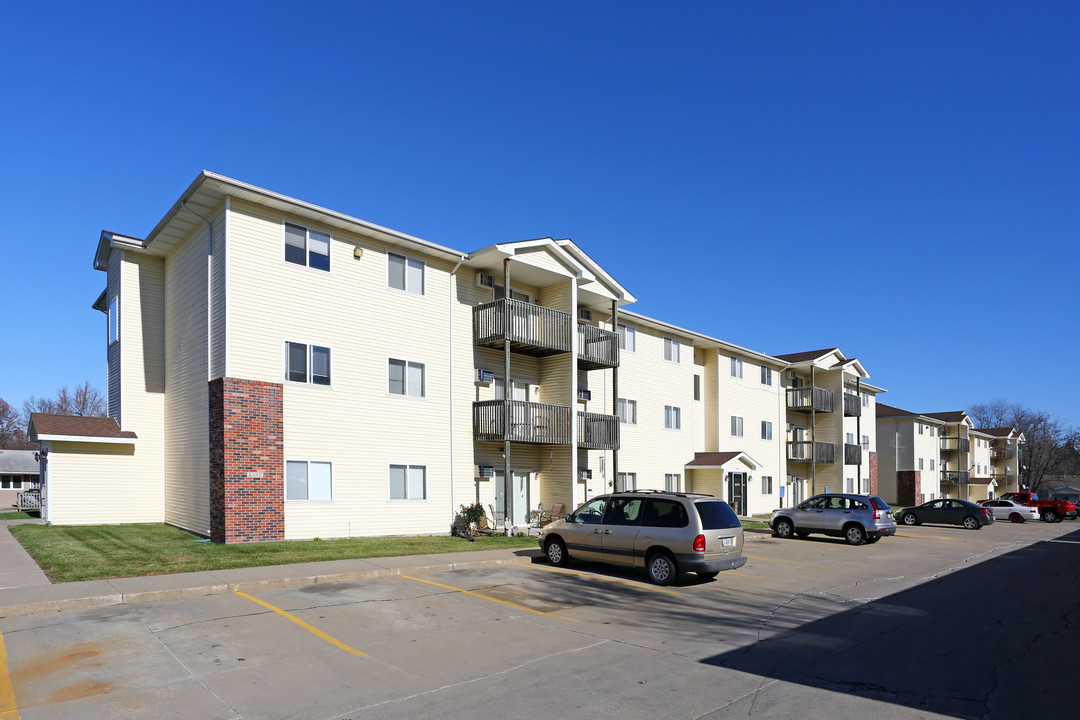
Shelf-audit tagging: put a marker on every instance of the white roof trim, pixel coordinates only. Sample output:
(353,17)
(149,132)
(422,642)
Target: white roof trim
(86,439)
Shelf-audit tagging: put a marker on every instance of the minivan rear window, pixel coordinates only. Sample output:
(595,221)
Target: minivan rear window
(717,515)
(879,503)
(664,513)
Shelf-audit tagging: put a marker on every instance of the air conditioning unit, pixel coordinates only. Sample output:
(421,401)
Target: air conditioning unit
(584,395)
(484,376)
(585,474)
(584,313)
(483,280)
(485,471)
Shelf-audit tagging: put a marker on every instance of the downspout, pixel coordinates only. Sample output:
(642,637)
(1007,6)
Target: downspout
(209,286)
(858,433)
(507,392)
(615,399)
(453,427)
(813,435)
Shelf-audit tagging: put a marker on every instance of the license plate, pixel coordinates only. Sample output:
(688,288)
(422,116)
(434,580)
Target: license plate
(727,542)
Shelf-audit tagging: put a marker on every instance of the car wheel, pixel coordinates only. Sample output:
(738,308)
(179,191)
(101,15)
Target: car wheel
(708,575)
(1016,518)
(662,570)
(971,522)
(854,535)
(783,528)
(872,540)
(910,519)
(556,552)
(802,534)
(1049,516)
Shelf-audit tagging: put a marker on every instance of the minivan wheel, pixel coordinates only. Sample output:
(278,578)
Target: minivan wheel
(854,535)
(971,522)
(1049,516)
(662,569)
(556,552)
(910,519)
(783,528)
(1016,518)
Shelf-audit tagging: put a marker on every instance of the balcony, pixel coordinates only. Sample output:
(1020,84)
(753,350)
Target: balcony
(852,406)
(952,444)
(810,399)
(954,477)
(852,454)
(597,432)
(597,349)
(533,423)
(530,329)
(799,451)
(1003,454)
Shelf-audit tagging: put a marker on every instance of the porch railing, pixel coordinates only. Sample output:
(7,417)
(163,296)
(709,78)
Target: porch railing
(597,348)
(535,423)
(799,451)
(952,476)
(852,454)
(955,443)
(805,399)
(533,329)
(852,406)
(597,432)
(28,500)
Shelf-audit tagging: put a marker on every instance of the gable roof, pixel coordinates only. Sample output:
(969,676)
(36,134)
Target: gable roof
(808,355)
(77,428)
(951,416)
(998,431)
(18,462)
(717,460)
(884,410)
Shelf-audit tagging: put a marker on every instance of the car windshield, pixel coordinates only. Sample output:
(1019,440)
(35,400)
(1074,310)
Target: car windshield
(879,503)
(717,515)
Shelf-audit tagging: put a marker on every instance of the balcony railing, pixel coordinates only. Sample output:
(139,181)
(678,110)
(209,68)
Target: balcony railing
(950,444)
(535,423)
(533,329)
(954,477)
(806,399)
(597,432)
(597,348)
(852,406)
(852,454)
(1002,454)
(799,451)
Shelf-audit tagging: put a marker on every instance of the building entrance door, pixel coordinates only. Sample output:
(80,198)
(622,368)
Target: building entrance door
(736,492)
(519,494)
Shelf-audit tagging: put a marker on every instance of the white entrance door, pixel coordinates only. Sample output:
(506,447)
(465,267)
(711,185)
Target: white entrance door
(519,493)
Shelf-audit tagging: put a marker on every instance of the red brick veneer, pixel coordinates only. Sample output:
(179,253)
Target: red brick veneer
(247,464)
(873,474)
(908,487)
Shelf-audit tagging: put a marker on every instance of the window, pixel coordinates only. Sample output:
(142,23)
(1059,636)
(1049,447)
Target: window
(766,376)
(850,438)
(626,482)
(11,482)
(114,320)
(736,426)
(408,482)
(920,428)
(671,350)
(672,418)
(931,431)
(766,430)
(498,292)
(519,389)
(664,513)
(304,368)
(307,247)
(920,463)
(736,367)
(865,486)
(628,411)
(627,338)
(697,387)
(849,485)
(766,484)
(308,480)
(623,511)
(866,399)
(671,482)
(406,378)
(866,442)
(405,273)
(931,463)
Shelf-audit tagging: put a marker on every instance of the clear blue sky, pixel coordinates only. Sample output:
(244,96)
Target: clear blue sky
(901,180)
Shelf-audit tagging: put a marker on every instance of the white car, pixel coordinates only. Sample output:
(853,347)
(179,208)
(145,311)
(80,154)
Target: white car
(1011,511)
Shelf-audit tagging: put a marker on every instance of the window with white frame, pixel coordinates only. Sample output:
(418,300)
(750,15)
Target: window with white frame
(114,320)
(308,480)
(697,387)
(628,411)
(627,338)
(406,378)
(766,430)
(736,367)
(920,428)
(736,426)
(671,482)
(931,463)
(920,463)
(408,482)
(672,418)
(766,376)
(405,273)
(307,363)
(766,484)
(866,442)
(866,399)
(850,438)
(865,486)
(498,292)
(304,246)
(671,350)
(849,485)
(626,482)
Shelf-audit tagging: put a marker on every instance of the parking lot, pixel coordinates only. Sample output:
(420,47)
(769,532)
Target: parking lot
(937,621)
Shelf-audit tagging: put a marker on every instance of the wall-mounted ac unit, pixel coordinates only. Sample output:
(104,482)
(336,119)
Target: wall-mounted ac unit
(585,474)
(485,471)
(483,280)
(484,376)
(584,395)
(584,313)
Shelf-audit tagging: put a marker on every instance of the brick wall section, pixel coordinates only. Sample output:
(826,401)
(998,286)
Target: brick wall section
(873,474)
(246,440)
(908,487)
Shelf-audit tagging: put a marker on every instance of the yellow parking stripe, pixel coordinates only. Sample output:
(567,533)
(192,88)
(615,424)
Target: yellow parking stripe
(314,630)
(639,586)
(8,709)
(486,597)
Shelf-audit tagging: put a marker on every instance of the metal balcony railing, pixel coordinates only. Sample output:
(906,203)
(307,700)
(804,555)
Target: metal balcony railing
(1002,454)
(952,444)
(597,349)
(954,477)
(852,406)
(530,329)
(852,454)
(799,451)
(597,432)
(805,399)
(534,423)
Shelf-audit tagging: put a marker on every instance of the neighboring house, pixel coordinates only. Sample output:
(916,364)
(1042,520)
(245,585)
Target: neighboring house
(1063,492)
(18,472)
(830,415)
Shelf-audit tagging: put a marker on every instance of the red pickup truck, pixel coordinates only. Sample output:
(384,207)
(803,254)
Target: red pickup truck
(1049,510)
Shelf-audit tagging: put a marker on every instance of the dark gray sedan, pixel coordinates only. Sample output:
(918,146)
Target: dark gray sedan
(947,511)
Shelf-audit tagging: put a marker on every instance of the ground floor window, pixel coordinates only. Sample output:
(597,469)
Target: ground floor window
(308,480)
(11,482)
(626,482)
(408,482)
(671,482)
(766,484)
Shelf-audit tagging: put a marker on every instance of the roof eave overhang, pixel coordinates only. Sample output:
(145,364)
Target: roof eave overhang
(704,341)
(86,439)
(108,241)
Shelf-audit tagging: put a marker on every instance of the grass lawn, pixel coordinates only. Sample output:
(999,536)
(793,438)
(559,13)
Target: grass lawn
(95,552)
(755,524)
(17,515)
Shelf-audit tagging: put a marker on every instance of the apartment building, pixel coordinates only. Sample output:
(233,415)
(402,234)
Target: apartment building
(831,419)
(1005,458)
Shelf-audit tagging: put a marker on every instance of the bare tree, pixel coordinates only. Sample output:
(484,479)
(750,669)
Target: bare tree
(85,400)
(1046,451)
(12,428)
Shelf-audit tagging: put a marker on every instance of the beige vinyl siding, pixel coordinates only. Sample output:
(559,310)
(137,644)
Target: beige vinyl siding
(701,407)
(187,432)
(355,423)
(112,352)
(218,300)
(542,258)
(891,440)
(100,483)
(710,482)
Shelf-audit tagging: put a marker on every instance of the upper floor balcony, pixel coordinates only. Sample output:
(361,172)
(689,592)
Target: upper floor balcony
(542,424)
(810,399)
(597,348)
(540,331)
(952,444)
(1003,454)
(852,406)
(597,432)
(852,454)
(799,451)
(955,477)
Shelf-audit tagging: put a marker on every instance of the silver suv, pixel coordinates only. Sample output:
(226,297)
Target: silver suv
(856,518)
(664,532)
